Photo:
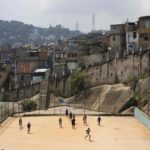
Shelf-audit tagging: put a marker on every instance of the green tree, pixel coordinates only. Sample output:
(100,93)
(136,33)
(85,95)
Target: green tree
(78,81)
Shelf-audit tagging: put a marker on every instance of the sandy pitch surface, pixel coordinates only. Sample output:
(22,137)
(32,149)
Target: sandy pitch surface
(116,133)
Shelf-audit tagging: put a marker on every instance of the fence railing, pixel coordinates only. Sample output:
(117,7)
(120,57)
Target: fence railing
(8,100)
(6,109)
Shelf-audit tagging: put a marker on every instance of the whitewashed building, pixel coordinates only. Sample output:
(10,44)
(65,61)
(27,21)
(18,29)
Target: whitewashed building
(132,37)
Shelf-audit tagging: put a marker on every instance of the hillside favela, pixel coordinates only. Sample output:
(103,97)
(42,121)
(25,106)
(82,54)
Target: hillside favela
(74,76)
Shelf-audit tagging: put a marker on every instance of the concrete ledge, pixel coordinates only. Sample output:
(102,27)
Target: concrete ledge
(60,110)
(39,115)
(142,117)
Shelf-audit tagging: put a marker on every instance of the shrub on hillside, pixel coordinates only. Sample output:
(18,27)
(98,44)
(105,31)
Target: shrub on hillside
(29,105)
(78,81)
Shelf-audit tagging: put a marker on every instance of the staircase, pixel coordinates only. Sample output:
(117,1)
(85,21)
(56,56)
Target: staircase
(44,95)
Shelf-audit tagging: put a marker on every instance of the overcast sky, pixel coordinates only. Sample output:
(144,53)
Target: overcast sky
(68,12)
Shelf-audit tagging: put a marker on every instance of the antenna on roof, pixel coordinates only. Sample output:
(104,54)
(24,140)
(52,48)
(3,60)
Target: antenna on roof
(127,20)
(122,21)
(93,22)
(77,27)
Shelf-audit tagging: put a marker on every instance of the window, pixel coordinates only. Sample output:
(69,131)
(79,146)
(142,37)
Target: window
(22,77)
(145,38)
(130,46)
(134,35)
(113,28)
(114,38)
(141,35)
(147,24)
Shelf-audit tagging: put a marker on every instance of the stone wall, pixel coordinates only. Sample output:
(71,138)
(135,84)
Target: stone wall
(133,65)
(111,72)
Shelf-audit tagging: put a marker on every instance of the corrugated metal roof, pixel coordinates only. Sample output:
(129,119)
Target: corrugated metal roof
(41,70)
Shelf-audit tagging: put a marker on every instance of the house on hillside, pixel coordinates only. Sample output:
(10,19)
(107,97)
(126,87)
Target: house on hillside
(71,60)
(118,39)
(40,74)
(4,76)
(5,66)
(5,54)
(144,32)
(59,62)
(132,37)
(25,66)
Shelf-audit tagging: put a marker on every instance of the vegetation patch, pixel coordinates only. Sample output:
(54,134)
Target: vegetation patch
(29,105)
(78,81)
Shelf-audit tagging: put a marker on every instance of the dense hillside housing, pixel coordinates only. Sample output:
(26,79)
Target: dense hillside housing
(131,36)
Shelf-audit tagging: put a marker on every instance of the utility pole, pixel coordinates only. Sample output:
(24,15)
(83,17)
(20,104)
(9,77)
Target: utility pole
(140,61)
(55,90)
(148,108)
(125,65)
(149,61)
(77,28)
(84,97)
(99,102)
(84,102)
(0,113)
(133,59)
(116,75)
(70,91)
(54,103)
(15,81)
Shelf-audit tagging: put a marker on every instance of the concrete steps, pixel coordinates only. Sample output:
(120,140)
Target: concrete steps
(44,94)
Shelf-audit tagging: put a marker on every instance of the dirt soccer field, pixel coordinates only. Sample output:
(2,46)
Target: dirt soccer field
(116,133)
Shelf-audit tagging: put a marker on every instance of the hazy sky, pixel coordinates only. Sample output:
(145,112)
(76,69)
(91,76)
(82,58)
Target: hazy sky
(68,12)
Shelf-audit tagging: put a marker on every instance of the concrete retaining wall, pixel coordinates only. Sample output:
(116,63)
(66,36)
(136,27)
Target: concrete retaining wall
(27,92)
(142,117)
(108,73)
